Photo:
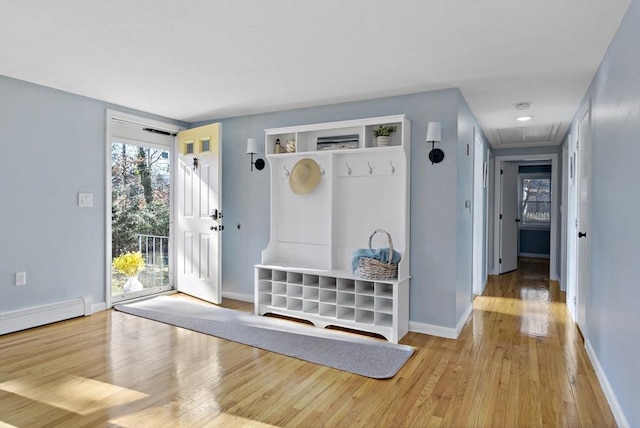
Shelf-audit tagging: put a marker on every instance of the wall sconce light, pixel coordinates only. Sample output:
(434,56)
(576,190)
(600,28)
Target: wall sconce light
(434,136)
(252,149)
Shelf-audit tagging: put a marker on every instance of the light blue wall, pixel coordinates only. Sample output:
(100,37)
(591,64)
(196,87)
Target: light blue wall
(52,146)
(535,242)
(435,203)
(613,314)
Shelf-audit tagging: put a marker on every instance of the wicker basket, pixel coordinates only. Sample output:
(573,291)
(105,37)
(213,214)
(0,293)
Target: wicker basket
(375,269)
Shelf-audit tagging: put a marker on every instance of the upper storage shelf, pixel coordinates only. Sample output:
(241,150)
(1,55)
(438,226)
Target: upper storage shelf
(329,136)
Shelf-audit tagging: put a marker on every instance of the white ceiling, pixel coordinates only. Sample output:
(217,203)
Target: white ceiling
(197,60)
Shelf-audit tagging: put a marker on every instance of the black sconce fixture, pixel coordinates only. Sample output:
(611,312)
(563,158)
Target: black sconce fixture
(434,136)
(252,149)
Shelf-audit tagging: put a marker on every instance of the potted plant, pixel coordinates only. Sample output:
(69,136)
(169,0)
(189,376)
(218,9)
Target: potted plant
(130,264)
(382,134)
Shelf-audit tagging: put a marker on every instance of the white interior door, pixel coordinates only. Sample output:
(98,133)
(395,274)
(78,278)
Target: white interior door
(572,229)
(584,249)
(199,223)
(508,214)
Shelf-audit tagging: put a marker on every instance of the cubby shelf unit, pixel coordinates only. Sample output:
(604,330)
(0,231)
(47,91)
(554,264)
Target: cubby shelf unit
(306,268)
(323,298)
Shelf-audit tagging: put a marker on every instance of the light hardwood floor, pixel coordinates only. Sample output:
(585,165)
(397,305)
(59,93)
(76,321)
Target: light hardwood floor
(518,362)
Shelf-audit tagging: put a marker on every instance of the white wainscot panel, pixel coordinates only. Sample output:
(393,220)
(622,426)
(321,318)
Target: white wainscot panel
(307,218)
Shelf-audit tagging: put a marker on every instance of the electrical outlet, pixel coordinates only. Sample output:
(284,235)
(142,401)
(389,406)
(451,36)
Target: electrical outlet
(85,200)
(21,278)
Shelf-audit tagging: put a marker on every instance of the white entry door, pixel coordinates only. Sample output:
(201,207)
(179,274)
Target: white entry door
(198,219)
(508,215)
(584,249)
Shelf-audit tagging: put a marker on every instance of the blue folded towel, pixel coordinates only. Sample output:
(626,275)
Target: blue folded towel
(381,254)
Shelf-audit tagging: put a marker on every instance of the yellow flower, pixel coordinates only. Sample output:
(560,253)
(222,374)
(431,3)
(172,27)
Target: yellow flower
(129,264)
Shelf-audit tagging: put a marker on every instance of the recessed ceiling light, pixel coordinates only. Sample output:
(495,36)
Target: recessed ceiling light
(524,118)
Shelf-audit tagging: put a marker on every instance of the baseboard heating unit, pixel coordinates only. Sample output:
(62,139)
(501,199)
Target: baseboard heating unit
(35,316)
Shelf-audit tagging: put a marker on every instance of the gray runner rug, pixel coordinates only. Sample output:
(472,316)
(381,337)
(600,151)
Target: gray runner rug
(344,351)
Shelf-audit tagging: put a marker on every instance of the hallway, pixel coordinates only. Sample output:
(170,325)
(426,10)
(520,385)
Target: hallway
(535,370)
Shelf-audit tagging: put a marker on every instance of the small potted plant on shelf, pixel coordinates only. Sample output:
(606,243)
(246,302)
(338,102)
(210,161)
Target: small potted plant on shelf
(382,134)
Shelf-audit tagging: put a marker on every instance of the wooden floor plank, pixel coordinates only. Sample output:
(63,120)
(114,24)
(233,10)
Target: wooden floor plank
(519,361)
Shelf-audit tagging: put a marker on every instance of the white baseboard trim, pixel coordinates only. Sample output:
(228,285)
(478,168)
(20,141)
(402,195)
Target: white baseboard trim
(98,307)
(618,414)
(432,330)
(36,316)
(535,255)
(238,296)
(463,319)
(436,330)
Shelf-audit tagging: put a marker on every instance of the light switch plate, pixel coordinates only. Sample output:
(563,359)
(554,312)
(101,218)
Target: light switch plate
(85,200)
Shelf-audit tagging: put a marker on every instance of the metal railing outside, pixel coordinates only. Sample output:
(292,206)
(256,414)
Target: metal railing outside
(155,251)
(535,212)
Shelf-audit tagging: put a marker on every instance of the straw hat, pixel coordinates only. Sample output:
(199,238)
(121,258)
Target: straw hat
(304,176)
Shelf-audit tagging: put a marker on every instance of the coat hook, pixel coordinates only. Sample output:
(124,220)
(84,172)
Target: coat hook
(370,169)
(321,168)
(285,168)
(393,170)
(348,168)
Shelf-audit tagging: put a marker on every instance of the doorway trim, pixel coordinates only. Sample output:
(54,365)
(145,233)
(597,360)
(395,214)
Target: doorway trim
(553,250)
(564,215)
(110,116)
(480,255)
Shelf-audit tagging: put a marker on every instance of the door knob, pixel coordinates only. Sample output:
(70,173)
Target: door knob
(213,228)
(582,234)
(517,220)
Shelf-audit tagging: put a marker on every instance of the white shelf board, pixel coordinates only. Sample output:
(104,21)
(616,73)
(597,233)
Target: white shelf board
(335,273)
(339,124)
